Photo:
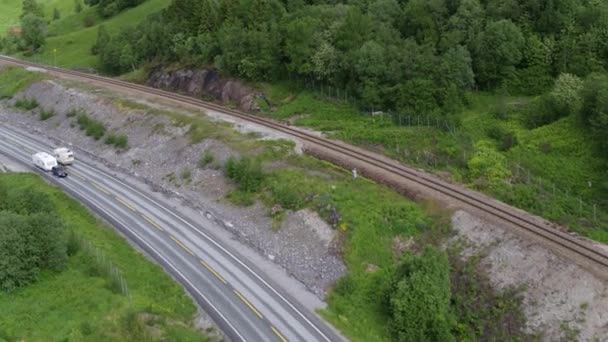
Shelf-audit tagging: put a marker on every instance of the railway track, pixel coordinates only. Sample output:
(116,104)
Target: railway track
(489,206)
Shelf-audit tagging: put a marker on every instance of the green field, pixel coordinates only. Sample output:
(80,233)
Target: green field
(77,304)
(10,10)
(69,42)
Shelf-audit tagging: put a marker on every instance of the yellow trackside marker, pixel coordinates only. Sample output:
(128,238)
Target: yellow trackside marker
(101,188)
(125,204)
(276,332)
(150,221)
(217,275)
(182,245)
(248,304)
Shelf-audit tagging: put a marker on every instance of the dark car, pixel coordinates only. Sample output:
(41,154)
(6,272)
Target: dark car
(59,171)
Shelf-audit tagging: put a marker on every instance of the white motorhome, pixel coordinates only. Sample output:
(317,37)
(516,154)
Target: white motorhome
(63,155)
(44,161)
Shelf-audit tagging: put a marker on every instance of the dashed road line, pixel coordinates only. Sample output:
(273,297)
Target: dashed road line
(100,188)
(217,275)
(77,175)
(276,332)
(150,221)
(181,245)
(125,203)
(248,304)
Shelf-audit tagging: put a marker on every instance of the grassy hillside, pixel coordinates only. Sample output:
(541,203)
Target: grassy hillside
(554,170)
(73,41)
(79,303)
(10,10)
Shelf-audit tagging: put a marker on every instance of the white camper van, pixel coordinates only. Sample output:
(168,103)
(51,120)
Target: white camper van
(44,161)
(63,155)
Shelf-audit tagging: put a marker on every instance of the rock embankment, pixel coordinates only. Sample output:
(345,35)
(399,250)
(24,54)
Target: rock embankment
(206,84)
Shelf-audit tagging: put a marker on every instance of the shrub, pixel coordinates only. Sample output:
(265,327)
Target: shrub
(206,159)
(241,198)
(88,21)
(247,173)
(46,114)
(92,127)
(594,110)
(505,139)
(33,237)
(287,195)
(566,95)
(420,298)
(73,112)
(119,141)
(186,174)
(26,104)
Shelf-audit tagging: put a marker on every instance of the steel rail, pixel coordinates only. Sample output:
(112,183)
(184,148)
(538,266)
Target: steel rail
(490,206)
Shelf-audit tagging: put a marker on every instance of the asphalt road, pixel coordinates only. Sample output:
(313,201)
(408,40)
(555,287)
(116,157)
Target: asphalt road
(244,302)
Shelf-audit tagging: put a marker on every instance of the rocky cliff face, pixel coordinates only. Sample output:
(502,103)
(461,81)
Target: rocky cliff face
(204,83)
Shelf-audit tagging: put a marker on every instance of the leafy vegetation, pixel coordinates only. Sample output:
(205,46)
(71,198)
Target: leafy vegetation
(92,127)
(46,114)
(420,302)
(26,104)
(13,80)
(206,159)
(490,146)
(72,297)
(120,141)
(246,172)
(33,236)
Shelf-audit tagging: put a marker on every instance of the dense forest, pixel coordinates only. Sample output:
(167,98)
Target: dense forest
(414,56)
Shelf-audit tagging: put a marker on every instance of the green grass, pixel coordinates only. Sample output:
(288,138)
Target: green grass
(560,154)
(73,41)
(26,104)
(46,114)
(73,305)
(120,141)
(10,10)
(13,80)
(92,127)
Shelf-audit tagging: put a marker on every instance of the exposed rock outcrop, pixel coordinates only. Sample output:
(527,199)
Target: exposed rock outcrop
(207,84)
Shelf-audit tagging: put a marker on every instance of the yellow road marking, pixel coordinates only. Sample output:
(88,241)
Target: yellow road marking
(77,175)
(217,275)
(125,203)
(25,148)
(283,339)
(101,188)
(248,304)
(182,245)
(151,222)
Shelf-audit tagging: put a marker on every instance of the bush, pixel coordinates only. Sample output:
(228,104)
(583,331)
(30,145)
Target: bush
(88,21)
(247,173)
(46,114)
(33,237)
(74,112)
(26,104)
(206,159)
(286,195)
(420,299)
(594,110)
(119,141)
(92,127)
(505,139)
(186,174)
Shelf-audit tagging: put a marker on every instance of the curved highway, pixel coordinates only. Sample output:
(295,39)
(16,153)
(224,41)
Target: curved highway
(242,301)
